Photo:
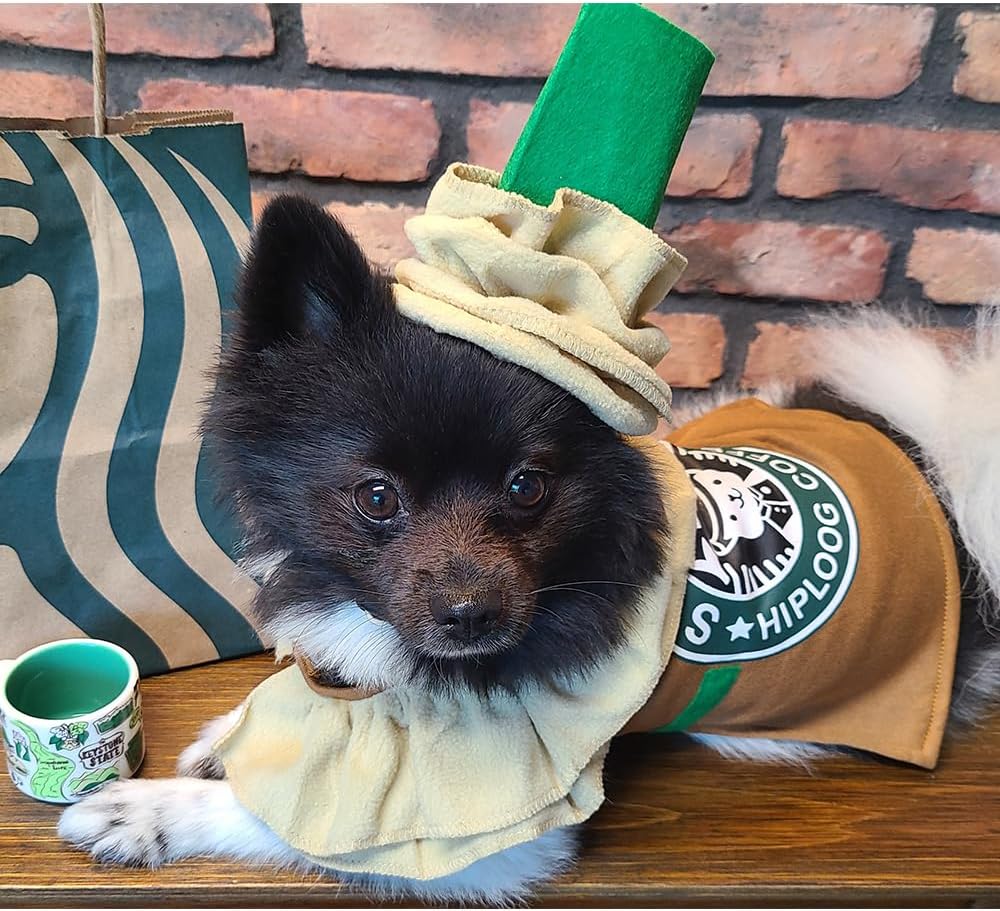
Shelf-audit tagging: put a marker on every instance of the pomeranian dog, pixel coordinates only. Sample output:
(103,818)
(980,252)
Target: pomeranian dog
(421,513)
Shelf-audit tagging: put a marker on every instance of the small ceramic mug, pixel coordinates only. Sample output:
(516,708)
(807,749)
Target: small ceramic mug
(71,718)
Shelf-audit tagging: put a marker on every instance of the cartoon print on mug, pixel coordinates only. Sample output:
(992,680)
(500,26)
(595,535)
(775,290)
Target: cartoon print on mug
(113,719)
(16,763)
(51,769)
(135,752)
(106,750)
(69,736)
(21,749)
(91,781)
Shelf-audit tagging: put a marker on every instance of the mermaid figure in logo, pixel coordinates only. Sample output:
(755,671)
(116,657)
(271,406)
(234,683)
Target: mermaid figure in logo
(748,531)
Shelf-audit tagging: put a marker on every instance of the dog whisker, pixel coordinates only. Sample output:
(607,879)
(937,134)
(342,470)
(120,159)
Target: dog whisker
(585,582)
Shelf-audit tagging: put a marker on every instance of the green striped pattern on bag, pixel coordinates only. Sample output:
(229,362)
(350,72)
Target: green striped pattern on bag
(117,261)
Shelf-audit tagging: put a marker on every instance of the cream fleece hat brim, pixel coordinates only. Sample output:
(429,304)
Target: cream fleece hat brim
(561,289)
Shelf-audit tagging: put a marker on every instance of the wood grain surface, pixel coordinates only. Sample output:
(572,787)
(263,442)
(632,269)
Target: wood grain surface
(680,827)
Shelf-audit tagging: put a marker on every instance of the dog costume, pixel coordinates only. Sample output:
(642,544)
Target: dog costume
(808,586)
(813,597)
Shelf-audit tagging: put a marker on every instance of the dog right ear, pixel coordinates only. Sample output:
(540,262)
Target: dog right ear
(304,277)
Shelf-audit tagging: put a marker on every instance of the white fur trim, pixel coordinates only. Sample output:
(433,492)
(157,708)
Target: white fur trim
(759,749)
(346,638)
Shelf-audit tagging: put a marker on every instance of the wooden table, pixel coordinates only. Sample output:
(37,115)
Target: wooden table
(680,826)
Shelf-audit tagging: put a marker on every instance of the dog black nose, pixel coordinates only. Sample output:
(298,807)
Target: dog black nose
(468,619)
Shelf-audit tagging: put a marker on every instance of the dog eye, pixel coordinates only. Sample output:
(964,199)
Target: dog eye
(376,500)
(528,489)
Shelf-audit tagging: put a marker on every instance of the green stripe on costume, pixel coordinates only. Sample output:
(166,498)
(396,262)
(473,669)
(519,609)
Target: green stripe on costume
(714,687)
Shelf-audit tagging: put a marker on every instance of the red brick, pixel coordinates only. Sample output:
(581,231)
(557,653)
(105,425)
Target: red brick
(28,94)
(779,353)
(956,266)
(785,354)
(358,135)
(716,159)
(484,39)
(836,51)
(258,200)
(814,50)
(493,129)
(697,348)
(377,227)
(933,169)
(200,30)
(782,259)
(978,75)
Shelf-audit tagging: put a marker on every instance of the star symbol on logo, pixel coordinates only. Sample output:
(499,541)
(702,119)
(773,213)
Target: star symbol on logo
(739,630)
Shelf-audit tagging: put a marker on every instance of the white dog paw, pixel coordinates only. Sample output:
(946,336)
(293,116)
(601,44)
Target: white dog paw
(198,760)
(126,822)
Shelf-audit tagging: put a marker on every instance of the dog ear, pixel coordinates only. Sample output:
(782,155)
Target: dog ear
(305,276)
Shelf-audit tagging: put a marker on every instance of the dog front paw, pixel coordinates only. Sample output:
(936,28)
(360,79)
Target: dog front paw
(198,760)
(126,822)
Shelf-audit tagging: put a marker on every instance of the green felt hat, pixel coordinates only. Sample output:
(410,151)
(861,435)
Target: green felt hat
(553,264)
(612,115)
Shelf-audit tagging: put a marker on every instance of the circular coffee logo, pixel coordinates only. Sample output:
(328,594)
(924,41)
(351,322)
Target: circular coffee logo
(776,548)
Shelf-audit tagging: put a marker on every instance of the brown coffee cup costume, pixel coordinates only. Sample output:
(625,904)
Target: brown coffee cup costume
(873,667)
(808,589)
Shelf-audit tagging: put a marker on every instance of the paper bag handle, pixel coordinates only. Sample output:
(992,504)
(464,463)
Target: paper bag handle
(98,42)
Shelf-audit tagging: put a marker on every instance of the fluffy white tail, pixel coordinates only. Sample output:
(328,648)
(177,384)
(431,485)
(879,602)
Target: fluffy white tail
(947,399)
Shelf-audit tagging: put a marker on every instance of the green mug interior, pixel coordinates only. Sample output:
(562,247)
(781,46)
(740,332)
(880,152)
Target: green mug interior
(67,679)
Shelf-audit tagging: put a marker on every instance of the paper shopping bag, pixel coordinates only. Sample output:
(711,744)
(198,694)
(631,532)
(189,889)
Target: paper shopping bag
(118,256)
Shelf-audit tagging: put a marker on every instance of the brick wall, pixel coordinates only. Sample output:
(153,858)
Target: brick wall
(841,154)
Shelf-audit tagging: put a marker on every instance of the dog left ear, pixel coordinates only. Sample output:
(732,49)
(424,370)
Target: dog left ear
(305,276)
